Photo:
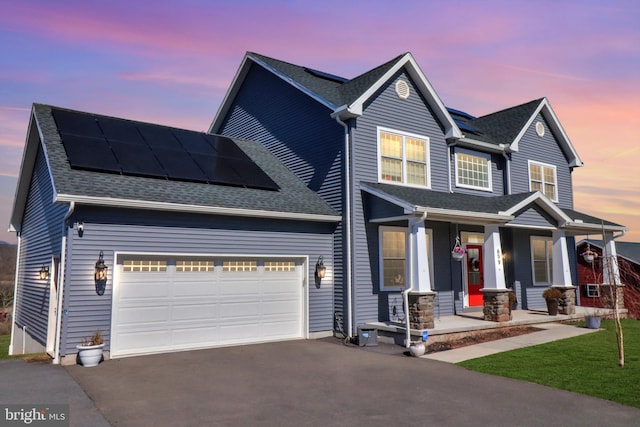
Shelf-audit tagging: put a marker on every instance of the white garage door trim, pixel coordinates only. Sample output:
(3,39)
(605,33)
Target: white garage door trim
(204,300)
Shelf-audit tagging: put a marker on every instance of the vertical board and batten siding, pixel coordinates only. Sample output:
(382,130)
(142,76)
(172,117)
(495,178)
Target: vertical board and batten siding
(299,131)
(497,175)
(41,239)
(543,149)
(412,115)
(86,311)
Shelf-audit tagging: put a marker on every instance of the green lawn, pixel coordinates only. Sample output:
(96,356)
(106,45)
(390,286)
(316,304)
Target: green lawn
(587,364)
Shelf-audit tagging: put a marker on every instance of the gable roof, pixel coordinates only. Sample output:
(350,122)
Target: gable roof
(481,209)
(345,97)
(292,201)
(508,127)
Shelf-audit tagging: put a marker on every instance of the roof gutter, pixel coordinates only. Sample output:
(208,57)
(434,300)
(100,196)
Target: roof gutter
(211,210)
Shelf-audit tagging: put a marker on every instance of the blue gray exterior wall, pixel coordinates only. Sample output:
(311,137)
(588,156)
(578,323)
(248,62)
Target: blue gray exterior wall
(113,230)
(498,174)
(40,241)
(543,149)
(301,134)
(387,110)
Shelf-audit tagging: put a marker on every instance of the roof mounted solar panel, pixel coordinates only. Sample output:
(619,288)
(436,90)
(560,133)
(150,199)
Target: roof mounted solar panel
(89,153)
(225,147)
(326,76)
(120,130)
(218,170)
(73,123)
(179,165)
(460,113)
(251,175)
(108,144)
(158,136)
(193,142)
(137,159)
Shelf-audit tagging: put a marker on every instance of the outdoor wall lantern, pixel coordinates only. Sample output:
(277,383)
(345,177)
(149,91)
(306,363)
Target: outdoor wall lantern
(44,272)
(101,275)
(320,271)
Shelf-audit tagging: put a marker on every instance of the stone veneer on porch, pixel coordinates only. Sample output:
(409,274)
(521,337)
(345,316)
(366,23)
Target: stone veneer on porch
(496,304)
(421,309)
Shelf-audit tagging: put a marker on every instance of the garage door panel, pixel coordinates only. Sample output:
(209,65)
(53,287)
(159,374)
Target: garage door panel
(199,287)
(194,312)
(195,336)
(139,315)
(136,289)
(178,309)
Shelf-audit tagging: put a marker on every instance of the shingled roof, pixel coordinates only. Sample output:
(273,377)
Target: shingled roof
(337,90)
(498,206)
(293,199)
(502,127)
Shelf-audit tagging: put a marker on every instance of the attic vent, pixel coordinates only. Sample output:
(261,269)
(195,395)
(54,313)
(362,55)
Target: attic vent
(539,128)
(402,89)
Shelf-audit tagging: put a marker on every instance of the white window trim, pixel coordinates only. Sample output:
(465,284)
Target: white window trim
(544,165)
(381,285)
(486,157)
(404,159)
(428,232)
(549,261)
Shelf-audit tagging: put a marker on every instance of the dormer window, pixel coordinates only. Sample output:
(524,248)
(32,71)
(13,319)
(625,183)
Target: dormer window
(403,158)
(543,178)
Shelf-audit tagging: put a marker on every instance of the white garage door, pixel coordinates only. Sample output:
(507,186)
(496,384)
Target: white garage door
(177,303)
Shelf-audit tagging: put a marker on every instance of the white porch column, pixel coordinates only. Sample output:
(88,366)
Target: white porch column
(492,259)
(610,270)
(560,263)
(419,264)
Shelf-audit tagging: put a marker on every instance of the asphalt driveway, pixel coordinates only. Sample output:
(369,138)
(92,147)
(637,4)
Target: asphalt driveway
(324,383)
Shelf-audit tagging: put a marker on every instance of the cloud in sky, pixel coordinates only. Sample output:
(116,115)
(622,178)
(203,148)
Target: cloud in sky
(172,63)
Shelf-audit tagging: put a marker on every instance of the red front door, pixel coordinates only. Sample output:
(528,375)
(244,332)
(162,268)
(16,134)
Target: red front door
(475,277)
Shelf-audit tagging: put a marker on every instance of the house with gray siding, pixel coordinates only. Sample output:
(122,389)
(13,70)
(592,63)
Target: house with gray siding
(207,240)
(413,179)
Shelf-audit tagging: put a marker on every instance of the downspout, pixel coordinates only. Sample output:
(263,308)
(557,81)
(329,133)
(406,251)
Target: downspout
(450,145)
(15,294)
(508,164)
(63,256)
(347,225)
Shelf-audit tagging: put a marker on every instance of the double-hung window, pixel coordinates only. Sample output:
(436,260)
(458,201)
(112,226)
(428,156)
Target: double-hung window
(394,242)
(403,158)
(542,260)
(543,178)
(473,170)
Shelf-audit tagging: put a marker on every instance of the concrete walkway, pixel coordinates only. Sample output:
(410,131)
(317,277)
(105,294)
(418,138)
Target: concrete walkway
(550,332)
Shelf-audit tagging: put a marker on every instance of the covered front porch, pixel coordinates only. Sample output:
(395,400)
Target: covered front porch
(454,327)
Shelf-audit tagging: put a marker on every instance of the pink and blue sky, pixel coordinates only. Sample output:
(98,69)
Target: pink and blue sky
(171,63)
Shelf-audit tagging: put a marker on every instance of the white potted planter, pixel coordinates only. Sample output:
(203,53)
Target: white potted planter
(90,350)
(90,355)
(417,349)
